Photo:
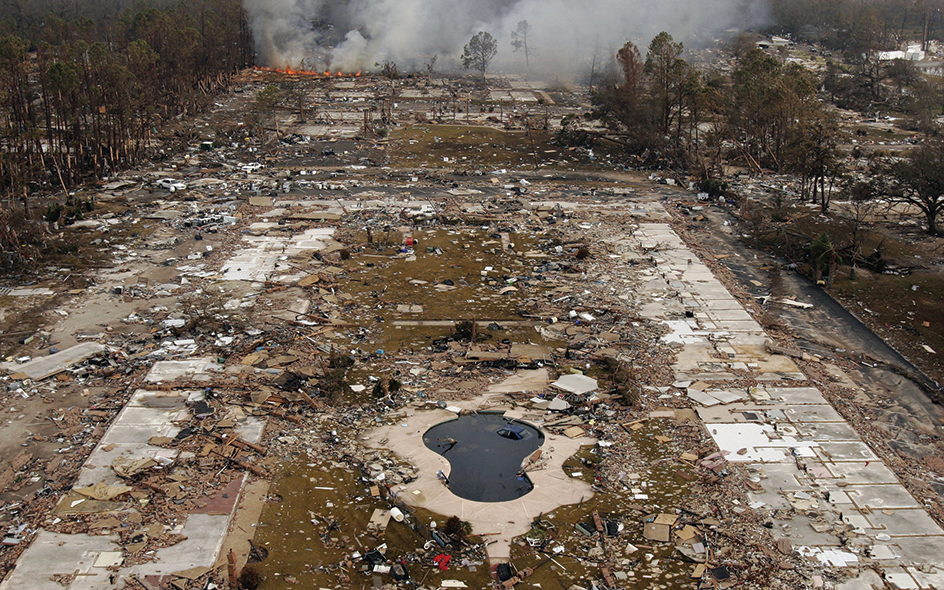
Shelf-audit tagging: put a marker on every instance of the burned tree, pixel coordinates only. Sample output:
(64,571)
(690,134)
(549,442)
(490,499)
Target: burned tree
(88,98)
(519,41)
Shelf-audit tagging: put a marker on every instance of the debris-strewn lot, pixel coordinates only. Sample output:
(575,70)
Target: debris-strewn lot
(231,389)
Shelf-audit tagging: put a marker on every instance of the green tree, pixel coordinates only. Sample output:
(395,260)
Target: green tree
(863,200)
(823,258)
(667,72)
(768,99)
(479,52)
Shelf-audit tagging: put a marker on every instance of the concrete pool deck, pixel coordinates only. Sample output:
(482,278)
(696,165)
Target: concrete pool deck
(501,521)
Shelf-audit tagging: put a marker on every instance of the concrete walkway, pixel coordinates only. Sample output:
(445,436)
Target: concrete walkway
(793,443)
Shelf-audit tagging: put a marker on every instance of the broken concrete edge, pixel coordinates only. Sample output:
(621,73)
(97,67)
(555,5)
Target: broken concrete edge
(44,367)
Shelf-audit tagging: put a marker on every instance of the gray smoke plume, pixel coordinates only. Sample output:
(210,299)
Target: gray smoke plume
(354,35)
(284,31)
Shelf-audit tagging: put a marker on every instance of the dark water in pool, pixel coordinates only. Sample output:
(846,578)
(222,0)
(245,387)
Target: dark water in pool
(484,463)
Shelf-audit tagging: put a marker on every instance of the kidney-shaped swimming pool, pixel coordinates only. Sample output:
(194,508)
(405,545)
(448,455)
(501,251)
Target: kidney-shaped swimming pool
(485,452)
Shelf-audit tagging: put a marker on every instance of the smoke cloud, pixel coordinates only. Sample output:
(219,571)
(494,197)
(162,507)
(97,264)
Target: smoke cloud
(354,35)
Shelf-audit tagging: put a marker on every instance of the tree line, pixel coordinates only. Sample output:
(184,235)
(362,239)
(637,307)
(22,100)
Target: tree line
(766,114)
(854,25)
(671,113)
(82,98)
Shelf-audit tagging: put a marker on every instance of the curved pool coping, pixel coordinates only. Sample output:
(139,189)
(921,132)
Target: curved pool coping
(502,521)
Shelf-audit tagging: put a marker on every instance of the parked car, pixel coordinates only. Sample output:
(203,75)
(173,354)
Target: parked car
(171,185)
(251,167)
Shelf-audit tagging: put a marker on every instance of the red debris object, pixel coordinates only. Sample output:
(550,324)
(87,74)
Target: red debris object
(442,561)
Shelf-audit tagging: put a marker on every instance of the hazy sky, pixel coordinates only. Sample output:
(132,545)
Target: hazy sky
(565,33)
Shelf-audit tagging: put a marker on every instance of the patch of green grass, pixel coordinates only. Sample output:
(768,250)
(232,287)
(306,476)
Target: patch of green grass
(464,146)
